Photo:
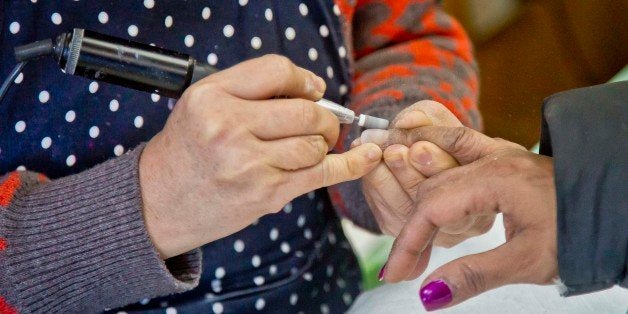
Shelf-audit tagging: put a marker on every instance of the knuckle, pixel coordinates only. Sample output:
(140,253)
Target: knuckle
(456,139)
(409,250)
(337,169)
(318,148)
(474,280)
(281,64)
(310,151)
(405,209)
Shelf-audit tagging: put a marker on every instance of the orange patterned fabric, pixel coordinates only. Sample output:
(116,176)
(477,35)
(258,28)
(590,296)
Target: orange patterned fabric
(403,51)
(8,188)
(408,50)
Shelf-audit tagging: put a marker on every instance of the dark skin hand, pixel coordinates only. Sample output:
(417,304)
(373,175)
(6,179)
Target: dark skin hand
(391,188)
(495,176)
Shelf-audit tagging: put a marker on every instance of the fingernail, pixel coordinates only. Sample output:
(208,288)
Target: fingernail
(373,154)
(413,119)
(382,272)
(396,162)
(435,295)
(319,84)
(403,121)
(356,142)
(424,158)
(378,137)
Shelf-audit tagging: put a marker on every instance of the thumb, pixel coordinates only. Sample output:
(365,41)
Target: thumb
(468,276)
(337,168)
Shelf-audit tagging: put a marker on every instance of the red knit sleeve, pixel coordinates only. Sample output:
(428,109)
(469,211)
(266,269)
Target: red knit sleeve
(404,51)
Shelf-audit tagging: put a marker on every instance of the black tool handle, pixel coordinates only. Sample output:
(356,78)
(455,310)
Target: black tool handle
(128,63)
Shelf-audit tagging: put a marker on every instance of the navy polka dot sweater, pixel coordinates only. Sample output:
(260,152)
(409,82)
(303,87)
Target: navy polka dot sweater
(64,127)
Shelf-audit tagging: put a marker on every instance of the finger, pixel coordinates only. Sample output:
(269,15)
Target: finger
(375,136)
(267,77)
(297,152)
(396,158)
(434,113)
(411,119)
(442,201)
(408,248)
(424,260)
(430,159)
(464,144)
(336,168)
(513,262)
(281,118)
(388,201)
(474,226)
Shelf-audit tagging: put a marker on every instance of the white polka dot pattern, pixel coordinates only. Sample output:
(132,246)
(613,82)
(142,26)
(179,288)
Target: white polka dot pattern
(207,32)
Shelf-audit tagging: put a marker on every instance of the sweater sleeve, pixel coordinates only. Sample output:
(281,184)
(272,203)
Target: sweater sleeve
(79,244)
(404,51)
(586,132)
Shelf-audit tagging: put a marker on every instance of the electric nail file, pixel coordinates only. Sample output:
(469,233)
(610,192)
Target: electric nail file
(144,67)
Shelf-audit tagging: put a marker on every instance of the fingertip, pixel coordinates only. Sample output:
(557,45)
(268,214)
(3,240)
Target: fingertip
(375,136)
(394,155)
(435,294)
(373,152)
(317,86)
(420,154)
(357,142)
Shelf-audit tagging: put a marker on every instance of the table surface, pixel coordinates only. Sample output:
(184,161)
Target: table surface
(403,297)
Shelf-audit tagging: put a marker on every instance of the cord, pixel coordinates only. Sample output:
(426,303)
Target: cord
(9,80)
(23,54)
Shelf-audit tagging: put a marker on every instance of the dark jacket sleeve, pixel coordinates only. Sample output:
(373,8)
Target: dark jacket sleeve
(586,131)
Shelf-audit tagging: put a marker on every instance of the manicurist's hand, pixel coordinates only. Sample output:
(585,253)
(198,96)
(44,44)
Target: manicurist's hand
(391,189)
(232,152)
(495,176)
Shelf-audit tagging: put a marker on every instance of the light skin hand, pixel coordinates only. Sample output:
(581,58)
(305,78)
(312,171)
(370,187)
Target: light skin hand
(231,152)
(495,176)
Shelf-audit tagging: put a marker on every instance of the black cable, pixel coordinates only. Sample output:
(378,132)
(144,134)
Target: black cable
(23,54)
(9,80)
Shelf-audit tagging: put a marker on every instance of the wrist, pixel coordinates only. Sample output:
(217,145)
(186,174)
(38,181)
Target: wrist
(158,206)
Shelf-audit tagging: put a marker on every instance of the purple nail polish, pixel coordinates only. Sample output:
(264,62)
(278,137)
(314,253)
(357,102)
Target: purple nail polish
(382,272)
(435,295)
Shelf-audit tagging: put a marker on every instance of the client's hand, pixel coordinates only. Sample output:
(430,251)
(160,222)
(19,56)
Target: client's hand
(495,176)
(230,153)
(391,189)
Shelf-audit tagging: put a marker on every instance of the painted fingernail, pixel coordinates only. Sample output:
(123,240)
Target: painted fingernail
(382,273)
(435,295)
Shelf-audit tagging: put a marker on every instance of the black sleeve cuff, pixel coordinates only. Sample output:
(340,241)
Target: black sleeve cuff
(586,131)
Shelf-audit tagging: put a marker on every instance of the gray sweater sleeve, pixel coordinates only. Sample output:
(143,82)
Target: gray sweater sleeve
(586,131)
(79,243)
